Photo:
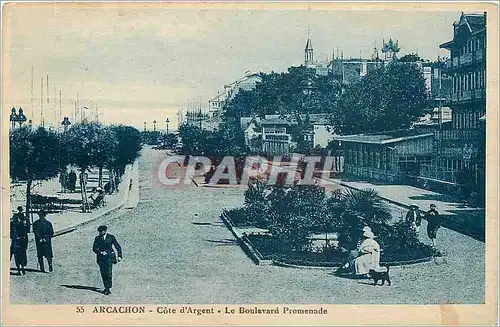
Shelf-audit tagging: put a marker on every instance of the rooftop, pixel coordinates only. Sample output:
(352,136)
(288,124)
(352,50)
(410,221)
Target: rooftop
(384,137)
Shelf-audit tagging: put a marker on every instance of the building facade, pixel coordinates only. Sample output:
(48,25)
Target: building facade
(459,146)
(387,156)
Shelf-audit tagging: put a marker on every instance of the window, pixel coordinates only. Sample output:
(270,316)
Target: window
(478,44)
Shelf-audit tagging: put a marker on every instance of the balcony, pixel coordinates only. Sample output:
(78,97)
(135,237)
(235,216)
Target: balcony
(466,59)
(479,55)
(458,134)
(470,95)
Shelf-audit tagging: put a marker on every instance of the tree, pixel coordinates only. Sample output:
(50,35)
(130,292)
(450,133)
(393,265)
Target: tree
(34,156)
(91,145)
(357,209)
(391,97)
(128,147)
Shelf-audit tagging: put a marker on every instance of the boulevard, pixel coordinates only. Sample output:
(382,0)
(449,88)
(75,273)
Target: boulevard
(177,250)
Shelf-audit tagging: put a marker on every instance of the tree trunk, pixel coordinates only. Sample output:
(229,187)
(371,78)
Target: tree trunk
(28,200)
(111,181)
(100,177)
(83,191)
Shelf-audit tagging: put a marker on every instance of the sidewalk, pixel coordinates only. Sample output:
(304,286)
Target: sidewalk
(67,220)
(456,215)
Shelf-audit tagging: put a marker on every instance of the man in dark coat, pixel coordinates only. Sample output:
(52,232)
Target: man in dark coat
(106,257)
(433,223)
(43,238)
(19,229)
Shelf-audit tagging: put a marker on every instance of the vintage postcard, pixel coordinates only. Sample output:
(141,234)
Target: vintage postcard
(253,163)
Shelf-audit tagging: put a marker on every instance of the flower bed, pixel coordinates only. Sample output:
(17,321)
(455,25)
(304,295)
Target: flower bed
(332,257)
(292,215)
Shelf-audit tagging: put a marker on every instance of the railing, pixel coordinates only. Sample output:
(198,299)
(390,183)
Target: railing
(479,55)
(465,59)
(459,134)
(468,95)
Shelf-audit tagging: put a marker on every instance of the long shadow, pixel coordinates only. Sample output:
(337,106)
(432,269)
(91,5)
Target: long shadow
(85,288)
(435,197)
(28,270)
(216,223)
(223,242)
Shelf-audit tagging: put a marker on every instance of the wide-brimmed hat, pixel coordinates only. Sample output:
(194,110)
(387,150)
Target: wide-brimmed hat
(367,229)
(413,205)
(42,213)
(369,234)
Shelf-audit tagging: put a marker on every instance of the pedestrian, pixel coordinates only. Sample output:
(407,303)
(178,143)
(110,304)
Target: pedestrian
(106,256)
(19,229)
(433,223)
(414,218)
(368,255)
(43,230)
(71,181)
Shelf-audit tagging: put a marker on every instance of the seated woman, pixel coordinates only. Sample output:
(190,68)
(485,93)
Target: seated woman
(368,255)
(364,258)
(97,197)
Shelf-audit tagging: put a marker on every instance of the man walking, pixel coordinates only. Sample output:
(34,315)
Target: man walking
(19,229)
(433,223)
(43,230)
(106,257)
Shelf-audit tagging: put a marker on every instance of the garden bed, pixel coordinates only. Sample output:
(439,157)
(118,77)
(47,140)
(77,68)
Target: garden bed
(333,258)
(294,216)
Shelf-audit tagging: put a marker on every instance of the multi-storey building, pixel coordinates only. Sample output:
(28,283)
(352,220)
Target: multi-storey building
(459,147)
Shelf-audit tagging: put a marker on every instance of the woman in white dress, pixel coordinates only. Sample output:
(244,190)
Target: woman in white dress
(368,254)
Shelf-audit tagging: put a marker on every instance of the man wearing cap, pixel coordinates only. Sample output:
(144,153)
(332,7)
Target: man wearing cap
(433,223)
(103,248)
(369,254)
(43,230)
(414,219)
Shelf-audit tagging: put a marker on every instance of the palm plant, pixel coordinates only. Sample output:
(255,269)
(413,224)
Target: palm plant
(357,209)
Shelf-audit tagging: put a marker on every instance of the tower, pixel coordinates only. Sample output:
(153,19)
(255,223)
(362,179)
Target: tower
(390,49)
(308,54)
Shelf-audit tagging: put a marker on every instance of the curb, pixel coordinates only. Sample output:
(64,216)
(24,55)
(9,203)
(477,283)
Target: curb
(103,214)
(337,265)
(245,245)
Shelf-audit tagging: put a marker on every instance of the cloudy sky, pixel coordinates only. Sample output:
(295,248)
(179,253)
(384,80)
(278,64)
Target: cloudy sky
(140,62)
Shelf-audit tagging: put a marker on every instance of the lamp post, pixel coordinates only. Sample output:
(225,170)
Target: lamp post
(154,125)
(167,121)
(65,124)
(17,118)
(144,126)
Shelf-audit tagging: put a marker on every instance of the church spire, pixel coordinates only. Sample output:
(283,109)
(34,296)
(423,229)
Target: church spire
(308,54)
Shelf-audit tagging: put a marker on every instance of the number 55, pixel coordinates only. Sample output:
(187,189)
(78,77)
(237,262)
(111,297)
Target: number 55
(80,309)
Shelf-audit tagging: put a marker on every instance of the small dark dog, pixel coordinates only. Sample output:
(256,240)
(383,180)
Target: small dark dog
(380,275)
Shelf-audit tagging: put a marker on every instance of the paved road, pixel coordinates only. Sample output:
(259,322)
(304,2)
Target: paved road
(172,255)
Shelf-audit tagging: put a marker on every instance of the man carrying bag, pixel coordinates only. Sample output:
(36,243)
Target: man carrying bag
(106,256)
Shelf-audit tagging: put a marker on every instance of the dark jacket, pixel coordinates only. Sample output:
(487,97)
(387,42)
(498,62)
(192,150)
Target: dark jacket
(411,218)
(433,219)
(106,245)
(43,230)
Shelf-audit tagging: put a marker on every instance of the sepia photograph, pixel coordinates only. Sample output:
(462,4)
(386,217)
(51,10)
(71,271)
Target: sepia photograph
(229,163)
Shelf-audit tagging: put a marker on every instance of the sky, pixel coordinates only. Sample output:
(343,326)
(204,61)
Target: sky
(142,63)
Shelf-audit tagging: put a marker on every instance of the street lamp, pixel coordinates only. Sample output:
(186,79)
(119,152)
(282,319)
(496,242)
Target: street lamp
(167,121)
(65,124)
(144,126)
(17,118)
